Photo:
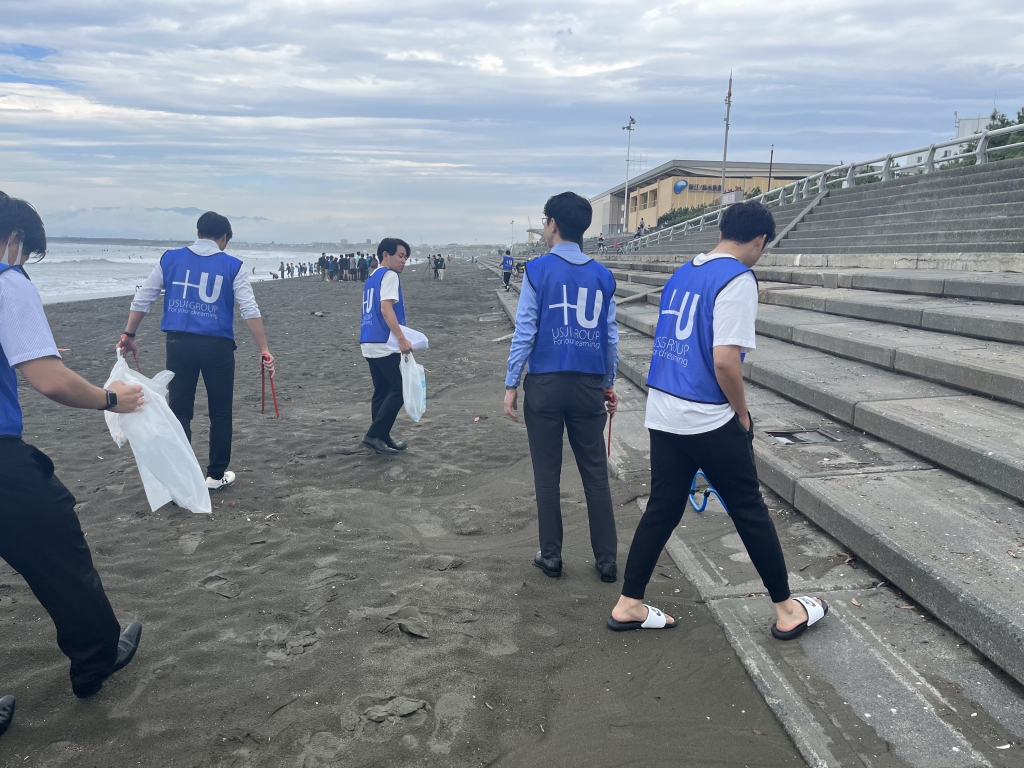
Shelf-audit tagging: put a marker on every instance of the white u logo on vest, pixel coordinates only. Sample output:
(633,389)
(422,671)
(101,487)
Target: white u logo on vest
(580,306)
(683,333)
(368,301)
(204,280)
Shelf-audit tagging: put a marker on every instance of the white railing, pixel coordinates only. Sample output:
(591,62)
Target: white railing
(842,176)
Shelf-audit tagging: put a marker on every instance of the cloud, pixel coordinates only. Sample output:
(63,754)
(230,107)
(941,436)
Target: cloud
(449,118)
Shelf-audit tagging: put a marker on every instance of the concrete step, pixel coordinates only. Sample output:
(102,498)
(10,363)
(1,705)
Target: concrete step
(962,208)
(1003,287)
(1005,172)
(980,367)
(934,240)
(814,247)
(938,220)
(937,190)
(976,319)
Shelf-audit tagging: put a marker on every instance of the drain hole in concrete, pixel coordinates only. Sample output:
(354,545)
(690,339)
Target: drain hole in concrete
(791,438)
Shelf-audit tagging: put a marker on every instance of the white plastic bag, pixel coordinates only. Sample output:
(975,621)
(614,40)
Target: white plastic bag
(167,465)
(414,387)
(417,339)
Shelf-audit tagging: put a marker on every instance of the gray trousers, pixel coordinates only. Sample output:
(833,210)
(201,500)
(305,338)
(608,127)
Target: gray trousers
(574,403)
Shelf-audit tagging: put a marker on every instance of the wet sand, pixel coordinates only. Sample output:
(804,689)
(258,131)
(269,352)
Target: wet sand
(341,608)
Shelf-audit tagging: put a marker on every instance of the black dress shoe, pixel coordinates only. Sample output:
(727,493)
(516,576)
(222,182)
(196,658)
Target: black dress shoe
(398,445)
(551,567)
(127,645)
(378,445)
(6,713)
(609,572)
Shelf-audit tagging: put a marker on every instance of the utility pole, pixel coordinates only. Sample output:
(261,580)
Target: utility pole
(513,238)
(771,160)
(728,109)
(625,195)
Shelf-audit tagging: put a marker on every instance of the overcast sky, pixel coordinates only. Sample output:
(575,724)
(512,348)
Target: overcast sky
(444,121)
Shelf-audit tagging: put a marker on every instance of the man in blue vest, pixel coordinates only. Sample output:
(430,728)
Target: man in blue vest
(40,534)
(698,419)
(507,265)
(201,285)
(384,315)
(566,333)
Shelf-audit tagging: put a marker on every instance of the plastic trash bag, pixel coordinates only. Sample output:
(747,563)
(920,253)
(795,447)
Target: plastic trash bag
(417,339)
(414,386)
(167,465)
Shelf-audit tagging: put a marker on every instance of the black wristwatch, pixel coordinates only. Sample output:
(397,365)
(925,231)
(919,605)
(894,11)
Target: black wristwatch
(111,400)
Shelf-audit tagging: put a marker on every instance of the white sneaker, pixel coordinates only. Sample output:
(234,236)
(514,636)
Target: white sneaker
(224,482)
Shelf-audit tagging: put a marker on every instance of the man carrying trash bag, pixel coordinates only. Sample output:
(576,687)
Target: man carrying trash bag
(40,534)
(383,315)
(566,331)
(199,320)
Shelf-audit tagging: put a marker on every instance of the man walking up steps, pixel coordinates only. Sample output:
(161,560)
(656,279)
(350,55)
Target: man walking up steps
(199,320)
(566,332)
(698,419)
(384,314)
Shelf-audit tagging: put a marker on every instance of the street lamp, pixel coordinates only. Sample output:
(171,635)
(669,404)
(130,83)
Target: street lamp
(625,196)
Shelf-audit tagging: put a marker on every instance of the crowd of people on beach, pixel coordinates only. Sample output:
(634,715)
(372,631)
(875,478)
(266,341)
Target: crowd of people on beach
(564,353)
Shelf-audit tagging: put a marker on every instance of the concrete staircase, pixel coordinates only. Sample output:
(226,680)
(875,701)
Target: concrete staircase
(975,210)
(889,411)
(979,209)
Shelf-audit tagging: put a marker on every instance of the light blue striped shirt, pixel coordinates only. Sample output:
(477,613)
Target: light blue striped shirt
(526,324)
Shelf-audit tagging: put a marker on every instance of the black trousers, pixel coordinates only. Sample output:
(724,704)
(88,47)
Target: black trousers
(506,277)
(574,403)
(40,537)
(726,455)
(387,394)
(188,355)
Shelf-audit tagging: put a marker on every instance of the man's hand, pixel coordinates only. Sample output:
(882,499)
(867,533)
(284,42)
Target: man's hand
(611,400)
(127,344)
(512,403)
(404,345)
(129,397)
(744,420)
(267,361)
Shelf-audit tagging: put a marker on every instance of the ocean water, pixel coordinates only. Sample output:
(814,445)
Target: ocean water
(73,271)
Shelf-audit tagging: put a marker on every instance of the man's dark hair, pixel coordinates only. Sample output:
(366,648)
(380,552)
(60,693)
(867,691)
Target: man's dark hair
(508,252)
(214,226)
(389,245)
(572,213)
(742,222)
(17,214)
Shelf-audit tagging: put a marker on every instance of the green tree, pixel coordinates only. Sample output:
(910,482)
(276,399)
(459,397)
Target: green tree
(677,215)
(996,120)
(752,193)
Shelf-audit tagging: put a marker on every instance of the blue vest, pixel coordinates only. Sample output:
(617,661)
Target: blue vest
(683,362)
(373,329)
(10,408)
(572,322)
(507,264)
(199,295)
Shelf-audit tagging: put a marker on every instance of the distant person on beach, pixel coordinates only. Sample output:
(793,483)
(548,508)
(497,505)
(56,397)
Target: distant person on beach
(508,264)
(281,268)
(383,315)
(698,419)
(322,266)
(573,358)
(374,263)
(200,330)
(343,267)
(440,264)
(600,243)
(363,265)
(40,534)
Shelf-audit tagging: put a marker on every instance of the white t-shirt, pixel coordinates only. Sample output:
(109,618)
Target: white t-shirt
(388,292)
(24,332)
(734,319)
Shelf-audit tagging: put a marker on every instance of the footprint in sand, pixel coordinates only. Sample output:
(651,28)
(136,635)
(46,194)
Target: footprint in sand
(321,749)
(281,644)
(190,542)
(449,713)
(221,586)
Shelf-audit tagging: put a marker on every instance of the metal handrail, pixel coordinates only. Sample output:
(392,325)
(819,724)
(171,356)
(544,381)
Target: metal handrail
(883,168)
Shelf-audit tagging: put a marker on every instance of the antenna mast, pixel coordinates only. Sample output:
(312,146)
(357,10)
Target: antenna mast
(728,109)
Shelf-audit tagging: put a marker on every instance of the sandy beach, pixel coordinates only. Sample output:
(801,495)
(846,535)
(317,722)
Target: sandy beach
(341,608)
